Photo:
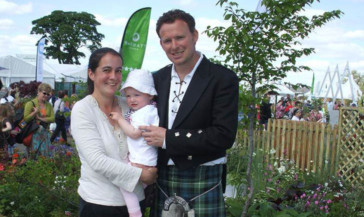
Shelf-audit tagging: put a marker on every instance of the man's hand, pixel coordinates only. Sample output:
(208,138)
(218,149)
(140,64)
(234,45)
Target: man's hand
(149,175)
(153,135)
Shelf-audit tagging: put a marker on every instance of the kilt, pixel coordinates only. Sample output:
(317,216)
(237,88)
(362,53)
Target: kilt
(189,184)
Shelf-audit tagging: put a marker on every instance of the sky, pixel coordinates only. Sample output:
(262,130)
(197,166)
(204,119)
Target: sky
(339,42)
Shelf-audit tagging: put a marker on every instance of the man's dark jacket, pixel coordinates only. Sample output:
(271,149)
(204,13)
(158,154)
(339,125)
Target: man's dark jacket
(206,122)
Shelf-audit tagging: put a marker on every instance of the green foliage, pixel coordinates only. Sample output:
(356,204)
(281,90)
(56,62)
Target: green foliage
(255,42)
(68,32)
(281,189)
(359,79)
(234,207)
(263,47)
(42,187)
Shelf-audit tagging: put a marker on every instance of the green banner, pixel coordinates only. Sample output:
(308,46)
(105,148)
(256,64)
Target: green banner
(134,40)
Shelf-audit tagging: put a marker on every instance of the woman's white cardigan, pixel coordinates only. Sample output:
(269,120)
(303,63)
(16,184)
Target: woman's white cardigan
(102,152)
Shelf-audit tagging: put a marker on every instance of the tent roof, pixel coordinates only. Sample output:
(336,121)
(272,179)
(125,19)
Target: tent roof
(16,67)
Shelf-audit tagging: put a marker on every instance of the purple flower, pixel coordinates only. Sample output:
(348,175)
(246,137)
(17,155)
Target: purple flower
(270,167)
(295,177)
(329,201)
(316,202)
(308,203)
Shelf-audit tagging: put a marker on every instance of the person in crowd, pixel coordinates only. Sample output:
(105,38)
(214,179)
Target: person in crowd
(60,123)
(288,107)
(288,98)
(297,115)
(308,104)
(337,105)
(101,144)
(296,105)
(10,116)
(53,97)
(42,111)
(6,127)
(198,110)
(315,116)
(265,111)
(7,98)
(279,109)
(139,92)
(67,109)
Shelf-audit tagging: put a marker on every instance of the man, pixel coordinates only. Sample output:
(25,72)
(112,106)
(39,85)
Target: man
(198,110)
(265,111)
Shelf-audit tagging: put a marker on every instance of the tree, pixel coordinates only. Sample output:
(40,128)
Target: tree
(263,47)
(67,32)
(359,79)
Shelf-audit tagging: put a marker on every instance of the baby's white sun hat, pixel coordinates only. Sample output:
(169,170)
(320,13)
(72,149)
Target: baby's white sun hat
(141,80)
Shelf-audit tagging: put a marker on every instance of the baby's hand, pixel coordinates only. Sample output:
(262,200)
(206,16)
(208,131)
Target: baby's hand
(115,115)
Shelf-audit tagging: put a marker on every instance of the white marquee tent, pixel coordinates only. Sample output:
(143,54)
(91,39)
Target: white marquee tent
(15,69)
(334,86)
(22,67)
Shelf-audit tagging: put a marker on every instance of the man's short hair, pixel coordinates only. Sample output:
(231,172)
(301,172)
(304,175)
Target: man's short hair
(173,15)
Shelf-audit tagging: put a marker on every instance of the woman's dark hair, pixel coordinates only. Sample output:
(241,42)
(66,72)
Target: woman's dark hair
(60,94)
(296,111)
(94,61)
(173,15)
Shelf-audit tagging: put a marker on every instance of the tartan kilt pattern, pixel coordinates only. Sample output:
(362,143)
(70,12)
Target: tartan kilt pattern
(189,184)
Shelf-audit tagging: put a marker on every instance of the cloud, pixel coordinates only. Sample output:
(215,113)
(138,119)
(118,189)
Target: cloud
(8,7)
(113,22)
(20,44)
(311,12)
(358,34)
(6,23)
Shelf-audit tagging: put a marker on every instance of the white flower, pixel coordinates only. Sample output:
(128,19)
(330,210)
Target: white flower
(272,151)
(326,161)
(12,203)
(281,169)
(326,184)
(275,164)
(254,154)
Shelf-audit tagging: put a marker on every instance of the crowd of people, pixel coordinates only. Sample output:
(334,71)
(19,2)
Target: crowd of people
(297,109)
(27,122)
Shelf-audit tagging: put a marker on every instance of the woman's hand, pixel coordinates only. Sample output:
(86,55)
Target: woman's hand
(149,175)
(115,116)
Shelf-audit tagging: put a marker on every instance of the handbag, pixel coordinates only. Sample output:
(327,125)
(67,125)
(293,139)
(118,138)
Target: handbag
(25,129)
(60,115)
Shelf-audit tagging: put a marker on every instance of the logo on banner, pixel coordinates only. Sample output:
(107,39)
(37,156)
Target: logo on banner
(136,37)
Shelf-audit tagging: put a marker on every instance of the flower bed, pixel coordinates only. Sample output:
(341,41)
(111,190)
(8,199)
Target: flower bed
(42,187)
(280,189)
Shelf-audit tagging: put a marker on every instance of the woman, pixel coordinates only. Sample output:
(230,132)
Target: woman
(101,144)
(297,115)
(42,111)
(59,105)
